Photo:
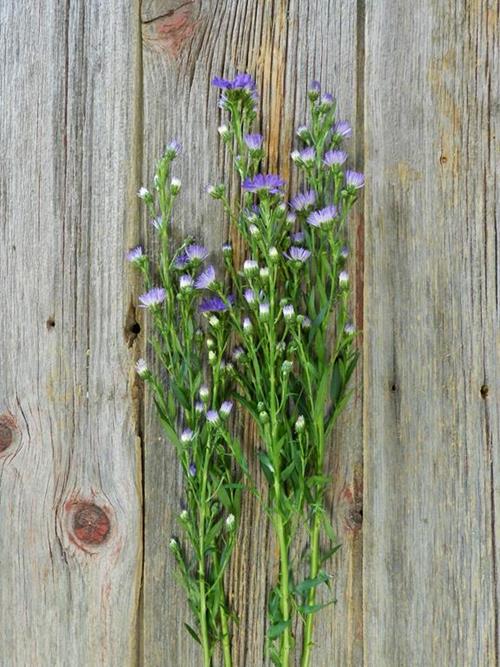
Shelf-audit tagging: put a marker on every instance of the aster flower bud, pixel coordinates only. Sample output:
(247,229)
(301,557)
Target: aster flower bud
(216,191)
(264,417)
(204,393)
(288,312)
(225,409)
(173,545)
(264,273)
(173,149)
(260,406)
(212,358)
(254,231)
(273,254)
(186,282)
(344,252)
(314,90)
(227,250)
(306,323)
(281,347)
(300,424)
(187,435)
(238,353)
(264,311)
(250,267)
(175,186)
(145,195)
(303,133)
(192,469)
(326,101)
(198,407)
(214,321)
(142,369)
(343,279)
(350,329)
(213,417)
(286,367)
(184,516)
(224,132)
(210,343)
(230,521)
(247,324)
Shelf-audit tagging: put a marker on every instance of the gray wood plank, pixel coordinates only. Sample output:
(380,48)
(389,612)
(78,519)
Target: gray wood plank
(284,44)
(431,334)
(70,542)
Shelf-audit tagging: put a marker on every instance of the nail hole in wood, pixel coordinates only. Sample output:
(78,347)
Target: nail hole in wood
(485,390)
(394,387)
(91,524)
(51,323)
(443,159)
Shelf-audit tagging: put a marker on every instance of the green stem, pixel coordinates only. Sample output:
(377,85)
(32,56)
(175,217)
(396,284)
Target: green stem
(307,640)
(314,551)
(205,640)
(226,640)
(286,637)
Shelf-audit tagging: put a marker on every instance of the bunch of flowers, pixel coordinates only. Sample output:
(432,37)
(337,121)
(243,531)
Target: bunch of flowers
(190,392)
(293,352)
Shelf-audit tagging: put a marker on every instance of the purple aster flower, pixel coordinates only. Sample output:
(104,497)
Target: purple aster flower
(288,311)
(297,254)
(173,149)
(249,295)
(254,141)
(350,329)
(198,407)
(181,261)
(225,408)
(323,216)
(212,416)
(343,278)
(206,278)
(136,254)
(333,158)
(304,200)
(264,182)
(327,99)
(196,253)
(214,304)
(192,469)
(186,281)
(154,297)
(247,324)
(250,266)
(291,218)
(344,252)
(342,129)
(240,82)
(354,179)
(306,155)
(297,237)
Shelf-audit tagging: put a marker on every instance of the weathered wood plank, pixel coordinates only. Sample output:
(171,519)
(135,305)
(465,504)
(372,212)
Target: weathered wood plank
(70,543)
(431,334)
(285,44)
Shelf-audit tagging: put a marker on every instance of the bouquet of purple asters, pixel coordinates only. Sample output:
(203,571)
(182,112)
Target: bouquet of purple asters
(294,348)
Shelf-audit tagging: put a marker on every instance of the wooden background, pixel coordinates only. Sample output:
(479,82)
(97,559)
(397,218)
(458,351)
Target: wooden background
(90,92)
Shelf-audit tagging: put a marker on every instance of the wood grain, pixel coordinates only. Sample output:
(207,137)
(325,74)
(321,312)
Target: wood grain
(70,542)
(285,44)
(431,334)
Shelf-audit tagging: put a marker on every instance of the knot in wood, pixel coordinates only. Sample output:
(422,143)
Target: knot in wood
(91,524)
(7,427)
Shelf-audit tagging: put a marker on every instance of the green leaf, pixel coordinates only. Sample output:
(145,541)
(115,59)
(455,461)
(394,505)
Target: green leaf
(313,608)
(241,399)
(278,629)
(308,584)
(192,633)
(266,465)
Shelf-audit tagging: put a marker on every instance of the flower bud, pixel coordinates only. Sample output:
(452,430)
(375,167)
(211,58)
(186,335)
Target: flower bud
(230,521)
(247,324)
(250,267)
(273,254)
(213,321)
(175,186)
(286,367)
(142,369)
(343,279)
(264,417)
(300,424)
(254,231)
(213,417)
(264,311)
(187,435)
(210,343)
(184,516)
(224,132)
(264,273)
(288,312)
(227,250)
(350,329)
(173,545)
(216,191)
(204,393)
(212,358)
